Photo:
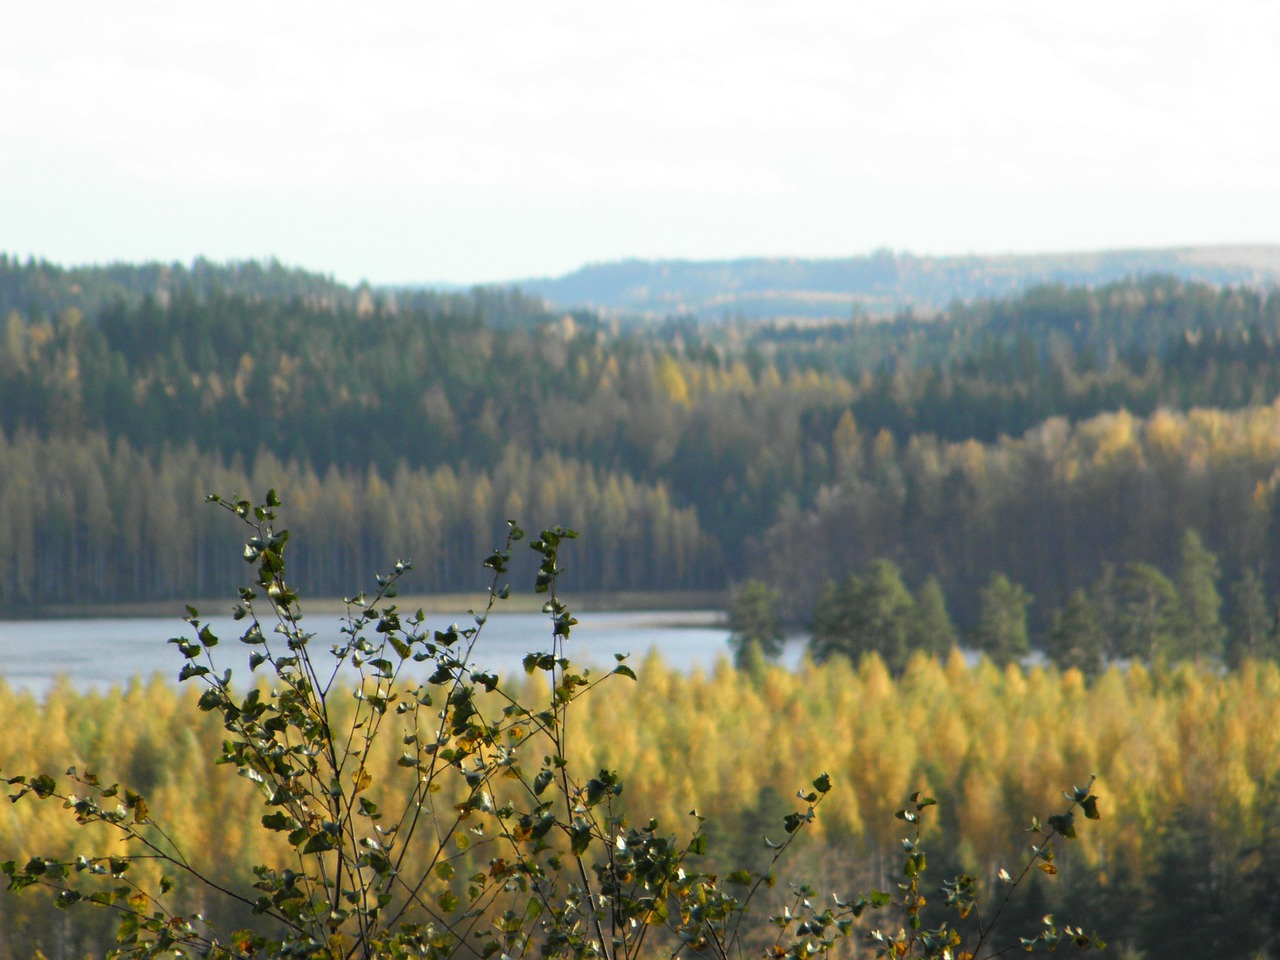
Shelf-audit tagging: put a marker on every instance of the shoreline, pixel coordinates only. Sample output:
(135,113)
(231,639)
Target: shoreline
(449,603)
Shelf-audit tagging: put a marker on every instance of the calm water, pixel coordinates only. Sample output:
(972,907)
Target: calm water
(101,653)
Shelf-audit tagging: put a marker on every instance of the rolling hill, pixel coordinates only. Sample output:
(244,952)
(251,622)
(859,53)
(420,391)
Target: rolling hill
(881,283)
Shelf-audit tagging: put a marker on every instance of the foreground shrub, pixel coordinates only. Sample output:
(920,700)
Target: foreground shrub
(483,838)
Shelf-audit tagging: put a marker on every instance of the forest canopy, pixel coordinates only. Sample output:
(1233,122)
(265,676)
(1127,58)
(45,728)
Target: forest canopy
(1042,438)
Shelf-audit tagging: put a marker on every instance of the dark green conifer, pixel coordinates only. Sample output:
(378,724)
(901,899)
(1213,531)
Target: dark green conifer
(755,625)
(1076,639)
(1199,603)
(1147,614)
(929,626)
(862,616)
(1253,629)
(1002,620)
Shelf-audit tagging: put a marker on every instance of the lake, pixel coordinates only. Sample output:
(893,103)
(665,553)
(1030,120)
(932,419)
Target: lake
(100,653)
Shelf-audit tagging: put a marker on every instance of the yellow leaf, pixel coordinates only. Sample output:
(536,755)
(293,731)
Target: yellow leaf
(361,779)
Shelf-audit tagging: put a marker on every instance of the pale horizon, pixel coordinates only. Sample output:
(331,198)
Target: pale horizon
(415,144)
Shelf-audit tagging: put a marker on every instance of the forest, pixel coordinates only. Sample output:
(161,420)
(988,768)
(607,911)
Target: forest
(1078,482)
(1061,439)
(1187,761)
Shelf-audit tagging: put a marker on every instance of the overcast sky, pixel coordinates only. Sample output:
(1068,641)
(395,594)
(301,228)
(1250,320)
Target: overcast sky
(497,139)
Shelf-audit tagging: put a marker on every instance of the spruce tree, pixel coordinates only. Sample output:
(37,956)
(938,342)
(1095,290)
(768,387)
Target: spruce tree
(861,616)
(754,623)
(1105,599)
(929,626)
(1200,630)
(883,613)
(1076,639)
(1252,626)
(1147,614)
(1002,620)
(833,619)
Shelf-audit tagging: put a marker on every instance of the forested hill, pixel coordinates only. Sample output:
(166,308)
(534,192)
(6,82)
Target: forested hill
(39,289)
(1043,436)
(880,284)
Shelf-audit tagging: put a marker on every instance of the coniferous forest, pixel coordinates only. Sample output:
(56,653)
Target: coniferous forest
(1090,473)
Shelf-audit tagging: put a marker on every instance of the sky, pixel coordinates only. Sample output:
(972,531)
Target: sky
(406,141)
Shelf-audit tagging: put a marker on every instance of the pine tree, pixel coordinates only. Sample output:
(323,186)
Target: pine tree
(1104,598)
(1199,604)
(1252,626)
(862,616)
(753,620)
(832,619)
(883,614)
(1002,620)
(1147,614)
(1076,638)
(1189,879)
(929,626)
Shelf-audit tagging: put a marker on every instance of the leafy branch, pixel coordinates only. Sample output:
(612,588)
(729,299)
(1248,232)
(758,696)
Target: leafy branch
(481,839)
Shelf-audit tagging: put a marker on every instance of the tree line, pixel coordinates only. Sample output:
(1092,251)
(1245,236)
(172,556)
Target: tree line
(1051,508)
(1043,436)
(1133,613)
(91,521)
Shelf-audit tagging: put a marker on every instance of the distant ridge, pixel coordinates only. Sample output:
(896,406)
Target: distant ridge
(880,283)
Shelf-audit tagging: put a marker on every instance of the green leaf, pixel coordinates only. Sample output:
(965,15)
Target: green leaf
(279,821)
(579,837)
(1064,824)
(319,843)
(211,699)
(66,898)
(190,670)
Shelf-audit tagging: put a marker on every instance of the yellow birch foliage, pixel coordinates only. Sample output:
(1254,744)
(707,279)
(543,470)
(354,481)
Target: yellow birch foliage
(993,746)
